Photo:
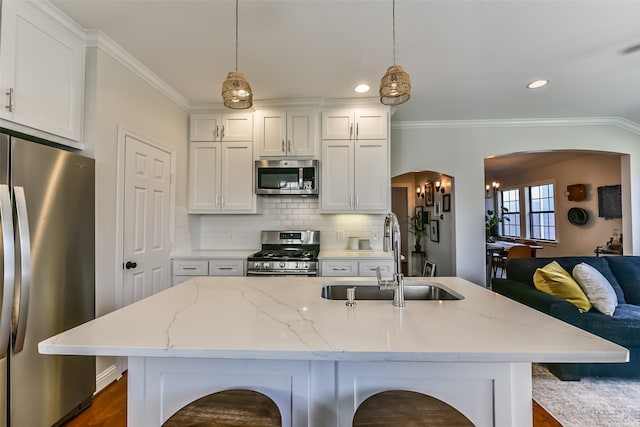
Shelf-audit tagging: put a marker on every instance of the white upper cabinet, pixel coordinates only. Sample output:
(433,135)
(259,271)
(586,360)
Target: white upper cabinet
(221,177)
(336,190)
(286,133)
(41,73)
(221,127)
(204,177)
(221,164)
(355,176)
(355,124)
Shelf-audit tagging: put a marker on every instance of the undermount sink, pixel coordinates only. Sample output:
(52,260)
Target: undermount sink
(424,291)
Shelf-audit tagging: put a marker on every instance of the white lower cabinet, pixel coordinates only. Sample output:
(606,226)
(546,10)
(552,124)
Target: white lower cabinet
(353,267)
(184,269)
(338,268)
(368,268)
(327,393)
(227,267)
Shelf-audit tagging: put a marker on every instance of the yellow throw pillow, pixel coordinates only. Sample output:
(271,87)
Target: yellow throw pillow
(555,280)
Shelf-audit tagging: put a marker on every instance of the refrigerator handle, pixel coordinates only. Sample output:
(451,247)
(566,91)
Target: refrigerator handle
(8,258)
(20,317)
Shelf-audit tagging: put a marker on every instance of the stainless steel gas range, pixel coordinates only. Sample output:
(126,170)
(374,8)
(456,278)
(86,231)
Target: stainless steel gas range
(286,253)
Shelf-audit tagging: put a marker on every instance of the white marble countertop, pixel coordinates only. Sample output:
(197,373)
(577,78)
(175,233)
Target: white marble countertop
(354,254)
(286,318)
(218,254)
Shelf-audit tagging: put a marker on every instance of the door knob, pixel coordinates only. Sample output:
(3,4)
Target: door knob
(130,264)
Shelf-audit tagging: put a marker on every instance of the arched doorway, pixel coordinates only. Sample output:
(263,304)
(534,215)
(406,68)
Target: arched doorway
(429,197)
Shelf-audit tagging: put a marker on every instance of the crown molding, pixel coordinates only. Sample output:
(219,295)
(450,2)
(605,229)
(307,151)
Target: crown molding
(96,38)
(55,15)
(620,122)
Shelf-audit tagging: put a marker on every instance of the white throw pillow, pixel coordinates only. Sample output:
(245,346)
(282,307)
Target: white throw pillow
(597,287)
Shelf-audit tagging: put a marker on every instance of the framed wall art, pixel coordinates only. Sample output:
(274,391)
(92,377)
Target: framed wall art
(429,269)
(437,209)
(418,218)
(435,230)
(446,203)
(428,194)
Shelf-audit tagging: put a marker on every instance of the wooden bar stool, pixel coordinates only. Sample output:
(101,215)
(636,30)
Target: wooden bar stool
(228,408)
(401,408)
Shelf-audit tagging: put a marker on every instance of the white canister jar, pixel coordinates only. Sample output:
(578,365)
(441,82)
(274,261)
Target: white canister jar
(353,243)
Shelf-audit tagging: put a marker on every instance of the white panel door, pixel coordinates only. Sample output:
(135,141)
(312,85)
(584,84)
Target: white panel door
(147,190)
(336,192)
(372,183)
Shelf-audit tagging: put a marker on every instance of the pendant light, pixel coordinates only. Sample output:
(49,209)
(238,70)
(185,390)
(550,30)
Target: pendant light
(236,92)
(395,85)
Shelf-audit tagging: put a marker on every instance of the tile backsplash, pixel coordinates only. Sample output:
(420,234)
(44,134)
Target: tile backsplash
(221,232)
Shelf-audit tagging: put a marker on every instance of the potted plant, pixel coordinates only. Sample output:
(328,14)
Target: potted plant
(492,219)
(417,228)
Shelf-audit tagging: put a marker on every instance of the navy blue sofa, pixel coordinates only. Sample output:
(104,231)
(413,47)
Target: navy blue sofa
(623,328)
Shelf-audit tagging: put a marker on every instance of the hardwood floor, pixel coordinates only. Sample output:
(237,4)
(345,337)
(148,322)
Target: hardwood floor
(109,409)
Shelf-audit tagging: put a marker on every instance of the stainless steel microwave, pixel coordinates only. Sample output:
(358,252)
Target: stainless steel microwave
(287,177)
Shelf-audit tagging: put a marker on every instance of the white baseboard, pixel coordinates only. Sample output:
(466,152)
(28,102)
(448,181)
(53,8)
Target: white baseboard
(106,377)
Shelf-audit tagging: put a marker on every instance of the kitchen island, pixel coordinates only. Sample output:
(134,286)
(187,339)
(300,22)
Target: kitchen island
(318,359)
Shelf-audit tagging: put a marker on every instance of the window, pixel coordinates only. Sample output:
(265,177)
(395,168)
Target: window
(531,212)
(542,223)
(511,201)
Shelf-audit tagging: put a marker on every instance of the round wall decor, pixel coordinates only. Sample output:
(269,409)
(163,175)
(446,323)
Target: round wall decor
(578,216)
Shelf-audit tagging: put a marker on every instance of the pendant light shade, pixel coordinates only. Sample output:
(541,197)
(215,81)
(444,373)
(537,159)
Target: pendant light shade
(395,85)
(236,92)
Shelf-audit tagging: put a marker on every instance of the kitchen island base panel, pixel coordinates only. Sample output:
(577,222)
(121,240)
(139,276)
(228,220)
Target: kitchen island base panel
(327,393)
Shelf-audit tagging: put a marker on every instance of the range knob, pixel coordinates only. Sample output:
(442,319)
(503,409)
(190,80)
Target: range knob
(283,264)
(265,265)
(256,265)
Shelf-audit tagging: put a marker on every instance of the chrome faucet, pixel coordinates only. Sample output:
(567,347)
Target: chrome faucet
(391,241)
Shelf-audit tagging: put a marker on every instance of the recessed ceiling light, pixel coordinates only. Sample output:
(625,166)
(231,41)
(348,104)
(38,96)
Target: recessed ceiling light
(537,84)
(362,88)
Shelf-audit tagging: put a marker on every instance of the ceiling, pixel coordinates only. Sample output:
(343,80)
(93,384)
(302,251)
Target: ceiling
(467,60)
(501,166)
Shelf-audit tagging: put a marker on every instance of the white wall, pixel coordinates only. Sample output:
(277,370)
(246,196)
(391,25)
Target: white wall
(117,97)
(458,149)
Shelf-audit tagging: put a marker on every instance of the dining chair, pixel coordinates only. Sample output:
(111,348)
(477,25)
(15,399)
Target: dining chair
(519,251)
(531,243)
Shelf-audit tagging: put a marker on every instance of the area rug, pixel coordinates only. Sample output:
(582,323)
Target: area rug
(597,402)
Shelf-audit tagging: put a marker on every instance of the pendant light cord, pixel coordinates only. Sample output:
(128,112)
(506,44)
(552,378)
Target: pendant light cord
(237,36)
(394,32)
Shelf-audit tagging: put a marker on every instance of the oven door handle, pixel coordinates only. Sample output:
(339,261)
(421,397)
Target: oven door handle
(282,273)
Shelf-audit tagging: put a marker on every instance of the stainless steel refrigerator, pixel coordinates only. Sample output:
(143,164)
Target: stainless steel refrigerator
(47,244)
